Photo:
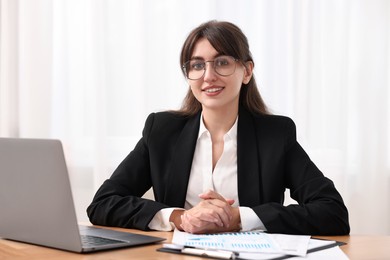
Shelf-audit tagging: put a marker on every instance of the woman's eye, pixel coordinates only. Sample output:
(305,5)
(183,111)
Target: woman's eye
(221,62)
(198,65)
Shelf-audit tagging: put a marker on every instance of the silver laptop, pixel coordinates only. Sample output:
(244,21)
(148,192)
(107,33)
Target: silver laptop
(36,203)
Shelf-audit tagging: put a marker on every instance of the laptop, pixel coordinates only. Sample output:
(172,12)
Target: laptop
(36,203)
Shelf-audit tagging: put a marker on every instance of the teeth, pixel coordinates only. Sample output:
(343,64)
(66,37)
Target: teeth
(211,90)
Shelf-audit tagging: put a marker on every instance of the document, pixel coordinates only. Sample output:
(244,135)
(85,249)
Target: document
(253,245)
(246,242)
(317,250)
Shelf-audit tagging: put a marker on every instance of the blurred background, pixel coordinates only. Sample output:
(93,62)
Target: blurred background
(88,72)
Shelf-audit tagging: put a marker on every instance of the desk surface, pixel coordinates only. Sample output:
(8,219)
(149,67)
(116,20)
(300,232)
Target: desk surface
(358,247)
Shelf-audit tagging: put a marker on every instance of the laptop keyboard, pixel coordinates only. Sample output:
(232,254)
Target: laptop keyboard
(90,241)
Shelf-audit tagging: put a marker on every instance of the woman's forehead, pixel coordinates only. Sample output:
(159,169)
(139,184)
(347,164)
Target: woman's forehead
(204,50)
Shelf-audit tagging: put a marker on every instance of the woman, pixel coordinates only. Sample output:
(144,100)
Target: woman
(222,162)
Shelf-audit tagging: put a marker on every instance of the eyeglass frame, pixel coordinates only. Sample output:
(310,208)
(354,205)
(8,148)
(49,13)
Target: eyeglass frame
(204,69)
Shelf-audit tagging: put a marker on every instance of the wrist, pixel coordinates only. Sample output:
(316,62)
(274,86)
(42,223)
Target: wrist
(236,220)
(175,218)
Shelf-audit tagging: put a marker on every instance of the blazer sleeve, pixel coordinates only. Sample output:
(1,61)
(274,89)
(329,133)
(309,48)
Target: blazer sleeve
(320,209)
(118,201)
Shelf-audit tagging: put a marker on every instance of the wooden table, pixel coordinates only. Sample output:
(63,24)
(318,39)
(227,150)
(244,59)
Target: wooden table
(358,247)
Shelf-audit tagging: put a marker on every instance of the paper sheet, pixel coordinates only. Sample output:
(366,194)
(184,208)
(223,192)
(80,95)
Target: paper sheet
(334,253)
(254,241)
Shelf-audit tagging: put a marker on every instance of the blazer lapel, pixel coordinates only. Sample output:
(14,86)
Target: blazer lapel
(181,164)
(248,168)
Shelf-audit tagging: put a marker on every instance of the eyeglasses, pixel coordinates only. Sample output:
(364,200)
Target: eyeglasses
(223,65)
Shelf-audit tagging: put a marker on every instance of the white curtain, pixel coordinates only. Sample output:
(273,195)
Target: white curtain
(89,72)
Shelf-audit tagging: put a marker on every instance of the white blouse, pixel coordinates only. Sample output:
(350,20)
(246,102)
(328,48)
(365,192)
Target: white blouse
(223,180)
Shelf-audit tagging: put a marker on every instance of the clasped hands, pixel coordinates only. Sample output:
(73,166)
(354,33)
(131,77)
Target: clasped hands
(212,214)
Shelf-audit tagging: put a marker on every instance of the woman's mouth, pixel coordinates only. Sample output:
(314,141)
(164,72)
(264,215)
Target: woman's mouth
(213,90)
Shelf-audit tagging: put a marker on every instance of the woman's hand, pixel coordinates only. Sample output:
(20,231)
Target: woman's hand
(213,214)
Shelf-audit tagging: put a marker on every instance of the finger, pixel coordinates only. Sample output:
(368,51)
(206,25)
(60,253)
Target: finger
(206,227)
(210,194)
(205,213)
(230,201)
(213,211)
(189,226)
(214,195)
(223,209)
(194,221)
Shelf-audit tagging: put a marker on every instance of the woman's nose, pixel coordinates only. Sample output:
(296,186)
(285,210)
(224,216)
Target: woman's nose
(209,74)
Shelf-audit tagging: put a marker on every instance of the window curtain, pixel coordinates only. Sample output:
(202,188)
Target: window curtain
(89,72)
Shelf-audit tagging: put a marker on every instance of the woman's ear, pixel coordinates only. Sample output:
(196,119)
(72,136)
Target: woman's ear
(248,72)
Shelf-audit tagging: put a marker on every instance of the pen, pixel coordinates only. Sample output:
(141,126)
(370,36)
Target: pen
(222,254)
(209,252)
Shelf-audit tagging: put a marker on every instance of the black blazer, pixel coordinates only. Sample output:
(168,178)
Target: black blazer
(269,160)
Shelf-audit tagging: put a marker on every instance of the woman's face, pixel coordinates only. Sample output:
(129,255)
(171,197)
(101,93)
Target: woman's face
(212,90)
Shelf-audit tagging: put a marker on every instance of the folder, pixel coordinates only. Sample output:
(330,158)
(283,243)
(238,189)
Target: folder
(224,254)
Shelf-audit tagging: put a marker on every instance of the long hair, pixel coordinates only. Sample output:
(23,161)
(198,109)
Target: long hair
(227,39)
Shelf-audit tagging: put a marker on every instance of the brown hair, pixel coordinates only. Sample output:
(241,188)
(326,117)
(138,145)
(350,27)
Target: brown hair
(227,39)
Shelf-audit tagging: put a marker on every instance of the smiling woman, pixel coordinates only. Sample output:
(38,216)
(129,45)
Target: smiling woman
(226,167)
(89,72)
